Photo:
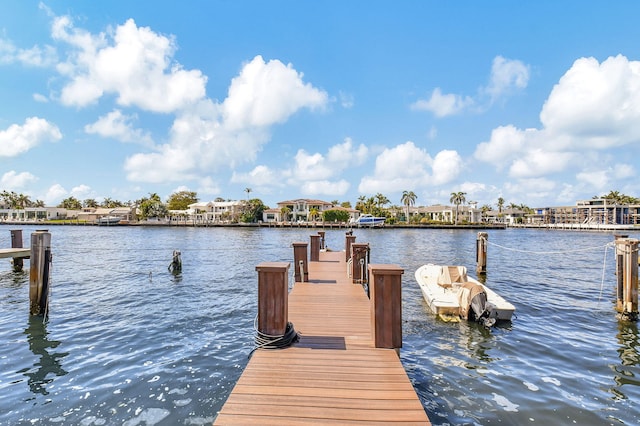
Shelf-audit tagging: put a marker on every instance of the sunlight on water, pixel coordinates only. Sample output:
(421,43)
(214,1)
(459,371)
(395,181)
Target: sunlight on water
(130,343)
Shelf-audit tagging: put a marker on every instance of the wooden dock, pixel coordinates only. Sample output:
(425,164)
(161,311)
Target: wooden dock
(334,374)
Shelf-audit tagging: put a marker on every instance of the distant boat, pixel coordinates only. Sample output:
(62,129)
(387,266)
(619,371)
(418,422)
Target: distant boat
(109,220)
(449,292)
(369,220)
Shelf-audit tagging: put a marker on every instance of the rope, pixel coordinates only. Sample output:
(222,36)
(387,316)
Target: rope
(268,341)
(604,267)
(549,252)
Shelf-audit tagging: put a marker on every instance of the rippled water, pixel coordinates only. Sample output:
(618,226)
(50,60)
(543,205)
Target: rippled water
(129,343)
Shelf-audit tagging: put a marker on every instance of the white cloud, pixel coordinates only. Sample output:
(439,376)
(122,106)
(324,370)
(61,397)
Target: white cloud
(506,75)
(325,187)
(38,97)
(82,192)
(443,105)
(118,126)
(260,176)
(404,167)
(55,194)
(12,180)
(132,62)
(208,186)
(266,93)
(596,105)
(35,56)
(21,138)
(536,163)
(447,166)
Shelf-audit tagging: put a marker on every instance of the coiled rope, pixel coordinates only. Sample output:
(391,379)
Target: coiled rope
(268,341)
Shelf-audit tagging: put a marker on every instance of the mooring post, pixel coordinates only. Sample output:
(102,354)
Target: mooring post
(16,242)
(273,306)
(360,262)
(322,242)
(39,272)
(386,305)
(315,248)
(481,252)
(300,255)
(627,278)
(349,240)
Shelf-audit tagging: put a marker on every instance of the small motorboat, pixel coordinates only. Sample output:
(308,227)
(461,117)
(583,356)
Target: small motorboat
(369,220)
(449,292)
(109,220)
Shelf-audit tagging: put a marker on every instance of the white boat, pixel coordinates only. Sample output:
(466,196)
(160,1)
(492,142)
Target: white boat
(449,292)
(369,220)
(108,220)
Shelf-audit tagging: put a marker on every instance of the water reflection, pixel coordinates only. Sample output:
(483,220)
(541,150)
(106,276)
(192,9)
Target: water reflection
(49,363)
(629,353)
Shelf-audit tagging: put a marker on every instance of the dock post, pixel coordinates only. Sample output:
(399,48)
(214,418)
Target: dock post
(300,262)
(627,278)
(16,242)
(315,248)
(273,293)
(481,252)
(360,260)
(322,242)
(386,305)
(349,239)
(39,272)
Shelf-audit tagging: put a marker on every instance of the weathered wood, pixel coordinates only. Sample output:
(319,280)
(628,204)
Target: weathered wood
(300,263)
(481,252)
(359,260)
(385,289)
(9,253)
(627,279)
(16,242)
(315,248)
(39,272)
(322,240)
(272,297)
(349,240)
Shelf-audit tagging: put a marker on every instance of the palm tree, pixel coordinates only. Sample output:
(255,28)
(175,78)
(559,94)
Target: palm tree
(500,204)
(381,200)
(313,213)
(458,198)
(408,199)
(285,212)
(248,190)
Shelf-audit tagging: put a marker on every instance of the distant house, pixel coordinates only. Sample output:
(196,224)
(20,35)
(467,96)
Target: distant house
(300,210)
(32,214)
(214,211)
(447,214)
(88,214)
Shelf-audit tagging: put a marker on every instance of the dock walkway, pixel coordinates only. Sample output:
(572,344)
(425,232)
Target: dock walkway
(333,374)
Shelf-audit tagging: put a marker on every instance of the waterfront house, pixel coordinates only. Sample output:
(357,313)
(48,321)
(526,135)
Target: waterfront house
(214,211)
(300,210)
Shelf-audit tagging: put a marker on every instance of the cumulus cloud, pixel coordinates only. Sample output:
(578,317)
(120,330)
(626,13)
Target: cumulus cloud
(266,93)
(119,126)
(507,75)
(12,180)
(55,194)
(17,139)
(260,176)
(442,105)
(407,167)
(134,63)
(594,107)
(325,187)
(211,135)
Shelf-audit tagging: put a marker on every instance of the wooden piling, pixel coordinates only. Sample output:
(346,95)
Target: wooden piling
(316,243)
(16,242)
(300,264)
(273,296)
(349,240)
(360,260)
(39,272)
(627,278)
(322,241)
(386,305)
(481,252)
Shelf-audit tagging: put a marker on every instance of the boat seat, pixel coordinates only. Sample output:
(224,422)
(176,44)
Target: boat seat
(450,275)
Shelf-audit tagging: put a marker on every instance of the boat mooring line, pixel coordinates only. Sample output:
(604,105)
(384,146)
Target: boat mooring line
(550,252)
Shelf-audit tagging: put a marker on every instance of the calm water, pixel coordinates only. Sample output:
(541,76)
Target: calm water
(127,343)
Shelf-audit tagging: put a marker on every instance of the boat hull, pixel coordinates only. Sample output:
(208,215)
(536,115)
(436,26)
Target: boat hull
(443,301)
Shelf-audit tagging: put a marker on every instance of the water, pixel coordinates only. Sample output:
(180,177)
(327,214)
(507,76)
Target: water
(128,343)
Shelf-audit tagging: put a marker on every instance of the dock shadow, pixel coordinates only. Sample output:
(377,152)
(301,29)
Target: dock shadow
(322,342)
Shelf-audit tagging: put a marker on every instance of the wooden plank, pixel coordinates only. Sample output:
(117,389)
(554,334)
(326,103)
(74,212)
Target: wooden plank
(23,253)
(334,374)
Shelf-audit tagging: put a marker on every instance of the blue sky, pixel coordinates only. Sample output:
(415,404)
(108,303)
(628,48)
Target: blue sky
(534,102)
